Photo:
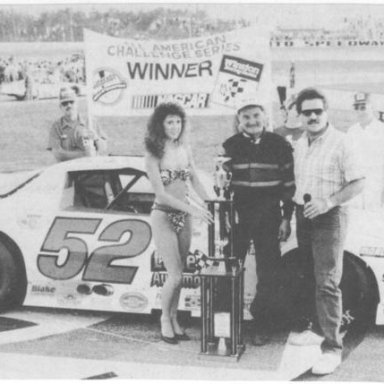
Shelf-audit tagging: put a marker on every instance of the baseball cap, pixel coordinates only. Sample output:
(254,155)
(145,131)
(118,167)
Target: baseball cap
(251,103)
(67,94)
(361,98)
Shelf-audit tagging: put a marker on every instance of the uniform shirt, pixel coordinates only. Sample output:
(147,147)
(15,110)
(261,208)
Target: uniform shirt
(325,166)
(370,143)
(68,135)
(261,169)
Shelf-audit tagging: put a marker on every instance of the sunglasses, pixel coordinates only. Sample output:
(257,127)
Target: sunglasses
(65,103)
(308,112)
(359,107)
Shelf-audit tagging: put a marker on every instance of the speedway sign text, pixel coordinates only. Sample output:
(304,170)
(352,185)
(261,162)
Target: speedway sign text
(130,77)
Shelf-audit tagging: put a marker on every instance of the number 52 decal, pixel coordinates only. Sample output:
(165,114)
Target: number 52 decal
(97,267)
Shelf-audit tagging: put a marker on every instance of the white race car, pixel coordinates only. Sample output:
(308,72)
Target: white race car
(77,235)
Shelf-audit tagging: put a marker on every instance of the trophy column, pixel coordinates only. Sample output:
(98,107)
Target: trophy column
(221,331)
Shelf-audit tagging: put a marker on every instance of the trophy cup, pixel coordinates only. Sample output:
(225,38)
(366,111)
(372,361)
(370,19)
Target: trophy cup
(222,177)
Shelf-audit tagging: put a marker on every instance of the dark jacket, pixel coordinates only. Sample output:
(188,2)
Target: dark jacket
(261,170)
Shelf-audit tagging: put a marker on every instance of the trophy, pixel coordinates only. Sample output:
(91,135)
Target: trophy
(222,177)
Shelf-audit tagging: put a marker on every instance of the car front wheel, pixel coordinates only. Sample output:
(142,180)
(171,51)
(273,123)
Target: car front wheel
(13,282)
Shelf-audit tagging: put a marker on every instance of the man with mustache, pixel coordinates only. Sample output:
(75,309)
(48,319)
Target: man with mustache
(262,178)
(70,137)
(327,174)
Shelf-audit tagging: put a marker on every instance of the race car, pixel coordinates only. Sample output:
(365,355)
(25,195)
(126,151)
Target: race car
(77,234)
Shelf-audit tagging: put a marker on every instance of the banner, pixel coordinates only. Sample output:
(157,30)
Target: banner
(205,75)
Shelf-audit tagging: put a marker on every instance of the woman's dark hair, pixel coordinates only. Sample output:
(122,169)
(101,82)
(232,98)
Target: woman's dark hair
(155,137)
(310,94)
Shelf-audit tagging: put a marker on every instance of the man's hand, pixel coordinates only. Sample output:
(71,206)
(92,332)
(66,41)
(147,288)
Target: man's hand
(284,230)
(315,208)
(89,146)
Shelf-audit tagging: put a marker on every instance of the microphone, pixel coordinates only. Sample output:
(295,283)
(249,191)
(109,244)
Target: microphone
(307,197)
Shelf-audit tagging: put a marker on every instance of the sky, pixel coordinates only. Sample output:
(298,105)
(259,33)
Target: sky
(284,14)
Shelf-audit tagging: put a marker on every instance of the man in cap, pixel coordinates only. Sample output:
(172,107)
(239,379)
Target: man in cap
(70,137)
(368,136)
(262,177)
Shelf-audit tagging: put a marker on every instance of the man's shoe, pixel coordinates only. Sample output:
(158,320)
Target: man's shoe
(327,363)
(261,339)
(307,337)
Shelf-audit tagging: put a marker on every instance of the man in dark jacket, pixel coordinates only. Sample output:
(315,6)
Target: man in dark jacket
(263,186)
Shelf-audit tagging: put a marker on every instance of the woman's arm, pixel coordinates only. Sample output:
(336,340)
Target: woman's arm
(196,183)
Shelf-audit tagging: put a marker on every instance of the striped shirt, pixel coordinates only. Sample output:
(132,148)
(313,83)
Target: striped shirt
(326,166)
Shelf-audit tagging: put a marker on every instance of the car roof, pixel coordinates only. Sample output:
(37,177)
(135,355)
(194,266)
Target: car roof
(101,163)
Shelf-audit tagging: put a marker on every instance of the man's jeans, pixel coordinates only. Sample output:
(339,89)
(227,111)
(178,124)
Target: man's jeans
(321,244)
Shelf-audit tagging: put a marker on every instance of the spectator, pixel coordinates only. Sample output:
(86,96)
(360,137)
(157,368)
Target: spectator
(70,137)
(368,135)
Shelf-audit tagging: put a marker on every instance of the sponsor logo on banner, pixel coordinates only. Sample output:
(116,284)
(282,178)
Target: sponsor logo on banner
(237,79)
(108,86)
(198,100)
(133,300)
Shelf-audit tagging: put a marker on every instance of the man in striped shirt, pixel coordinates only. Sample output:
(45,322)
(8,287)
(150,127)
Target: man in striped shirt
(327,174)
(262,178)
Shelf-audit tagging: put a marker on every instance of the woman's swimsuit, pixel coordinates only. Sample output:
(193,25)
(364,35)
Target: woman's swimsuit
(176,217)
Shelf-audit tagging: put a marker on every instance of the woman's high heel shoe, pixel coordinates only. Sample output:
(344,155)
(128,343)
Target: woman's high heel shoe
(182,337)
(169,340)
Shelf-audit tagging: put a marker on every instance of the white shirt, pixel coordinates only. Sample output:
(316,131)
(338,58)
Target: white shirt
(369,141)
(325,166)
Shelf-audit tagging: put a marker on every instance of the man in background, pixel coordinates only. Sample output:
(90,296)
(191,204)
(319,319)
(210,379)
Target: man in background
(368,136)
(292,128)
(71,137)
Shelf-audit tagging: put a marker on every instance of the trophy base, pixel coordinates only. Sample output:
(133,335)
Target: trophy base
(222,348)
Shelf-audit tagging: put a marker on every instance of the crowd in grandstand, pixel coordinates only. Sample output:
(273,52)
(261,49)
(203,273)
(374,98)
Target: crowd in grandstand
(67,25)
(70,69)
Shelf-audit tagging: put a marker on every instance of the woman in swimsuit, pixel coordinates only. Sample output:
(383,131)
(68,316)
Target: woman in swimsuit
(171,171)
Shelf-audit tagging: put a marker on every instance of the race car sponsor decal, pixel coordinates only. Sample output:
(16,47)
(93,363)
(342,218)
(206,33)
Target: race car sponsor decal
(159,274)
(108,86)
(42,289)
(133,301)
(372,251)
(65,255)
(192,302)
(189,280)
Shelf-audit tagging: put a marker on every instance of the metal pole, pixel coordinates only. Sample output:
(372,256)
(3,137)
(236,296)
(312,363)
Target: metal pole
(234,316)
(211,230)
(203,315)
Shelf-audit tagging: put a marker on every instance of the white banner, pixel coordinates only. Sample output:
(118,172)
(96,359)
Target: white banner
(206,75)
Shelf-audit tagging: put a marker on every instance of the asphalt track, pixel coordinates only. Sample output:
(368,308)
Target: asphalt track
(37,343)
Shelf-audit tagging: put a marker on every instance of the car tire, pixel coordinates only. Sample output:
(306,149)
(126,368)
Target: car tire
(13,282)
(359,292)
(357,286)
